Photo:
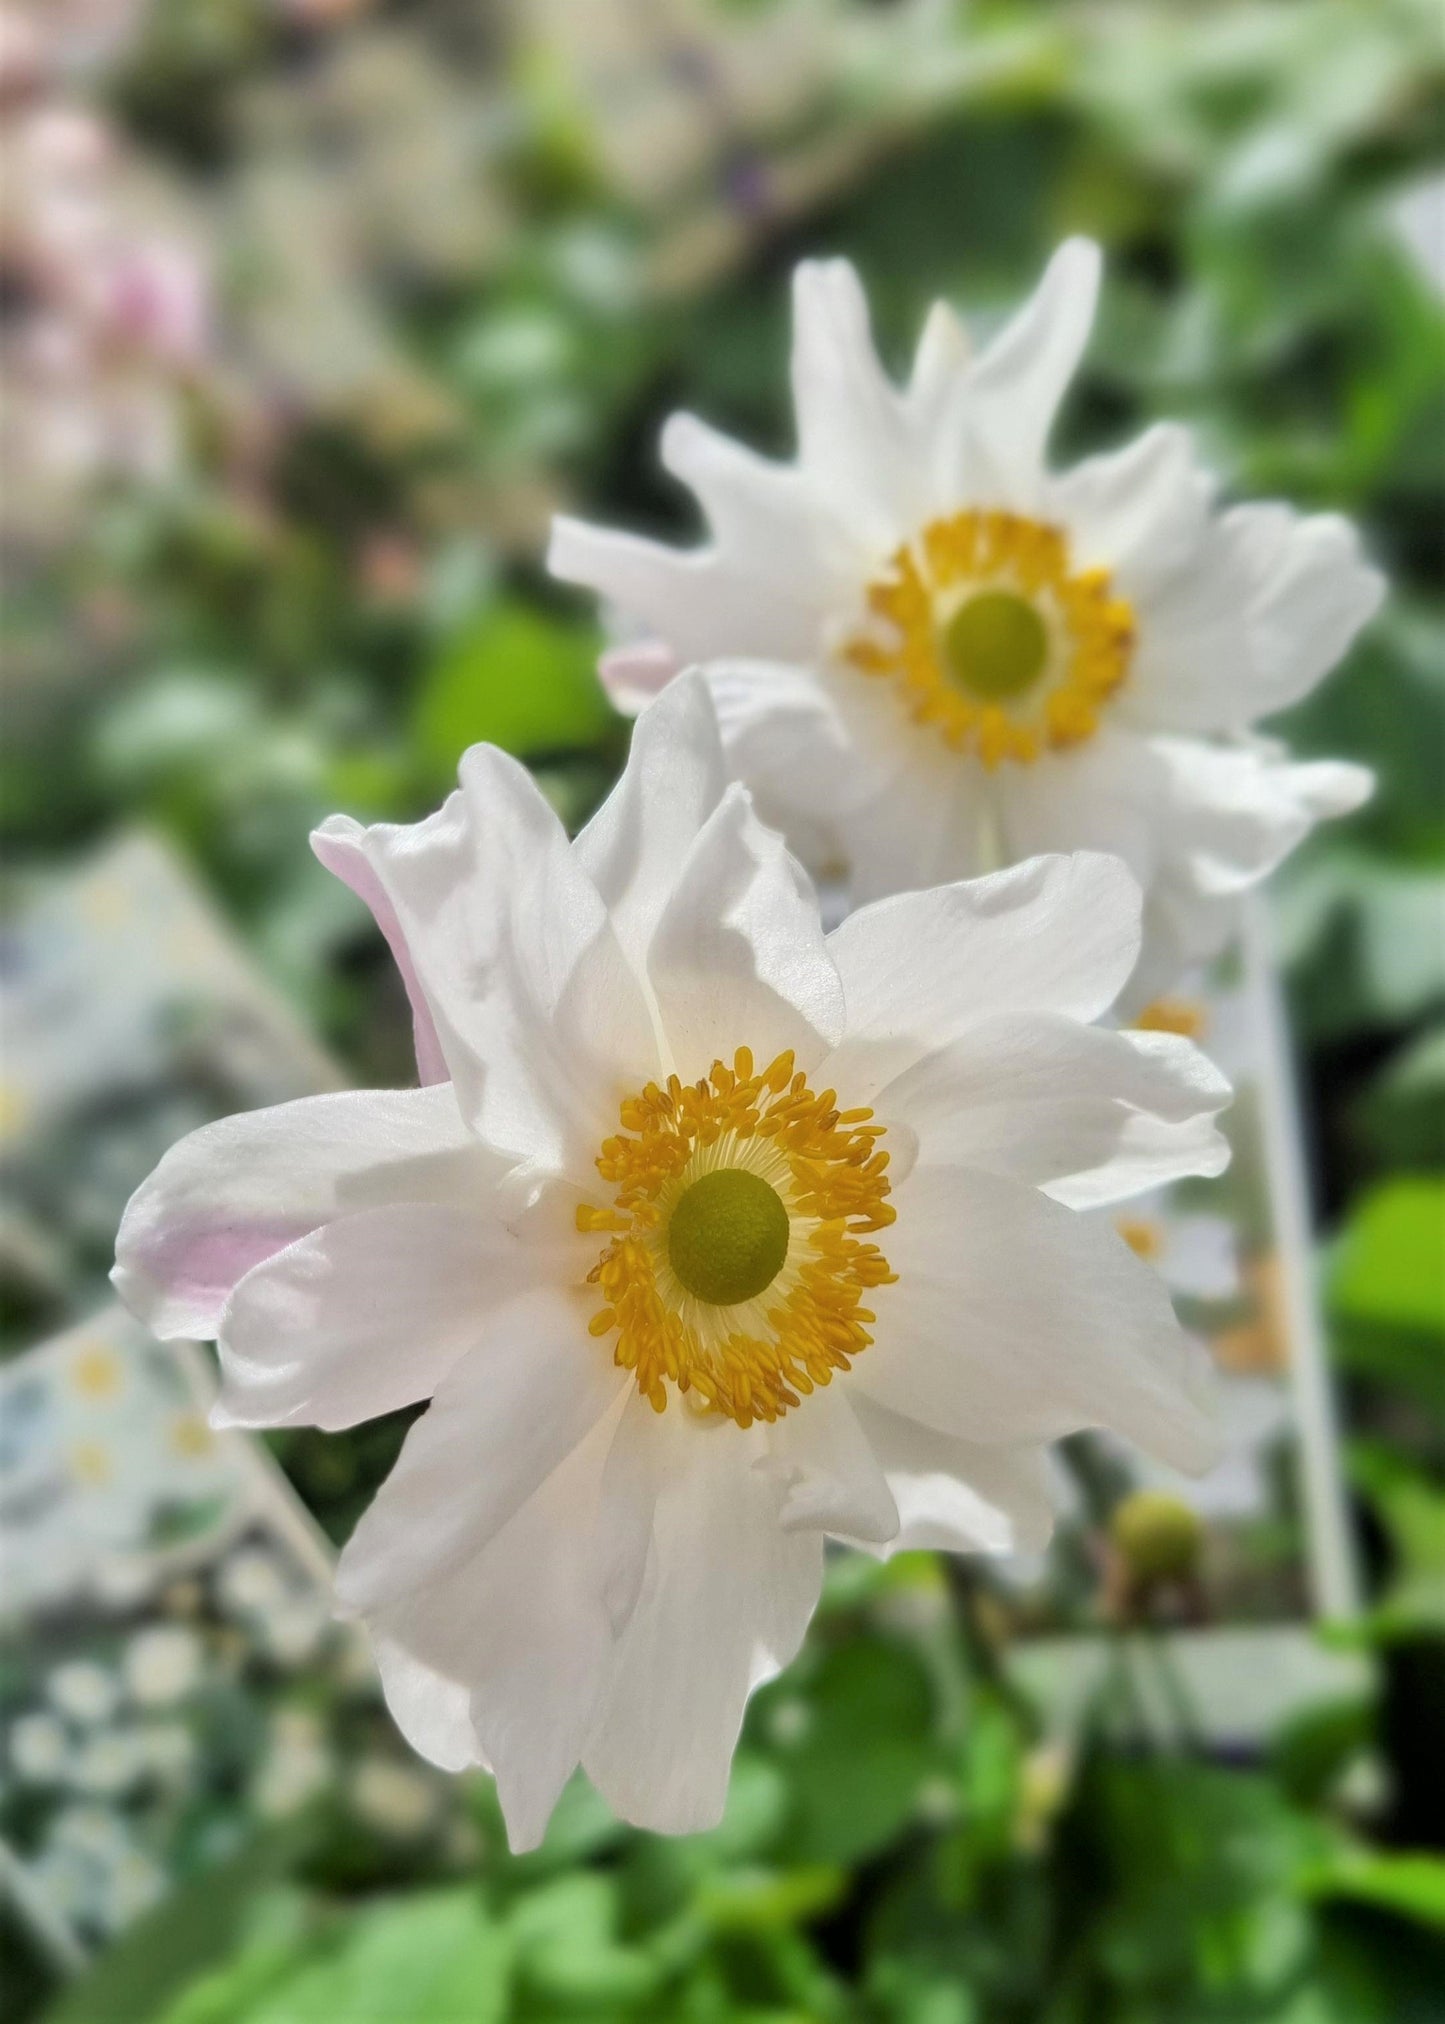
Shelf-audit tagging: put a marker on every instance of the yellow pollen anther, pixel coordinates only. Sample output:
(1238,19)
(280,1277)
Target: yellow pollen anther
(738,1264)
(991,638)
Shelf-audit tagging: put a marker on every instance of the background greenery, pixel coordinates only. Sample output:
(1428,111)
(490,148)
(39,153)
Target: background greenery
(231,661)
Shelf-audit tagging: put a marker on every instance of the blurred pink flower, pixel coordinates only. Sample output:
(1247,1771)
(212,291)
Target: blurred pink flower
(107,307)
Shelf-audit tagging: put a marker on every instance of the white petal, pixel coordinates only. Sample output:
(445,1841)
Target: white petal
(853,440)
(1236,812)
(1094,1115)
(939,363)
(725,1603)
(541,1020)
(1139,512)
(1014,390)
(634,674)
(1266,605)
(1105,795)
(738,957)
(674,779)
(520,1624)
(337,846)
(929,826)
(829,1477)
(431,1711)
(531,1387)
(238,1191)
(800,743)
(1225,817)
(1016,1320)
(1056,934)
(368,1314)
(957,1496)
(703,601)
(769,520)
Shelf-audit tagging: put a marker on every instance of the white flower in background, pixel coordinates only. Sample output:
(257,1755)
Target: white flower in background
(39,1749)
(1196,1254)
(130,1886)
(251,1582)
(85,1691)
(170,1751)
(291,1633)
(162,1664)
(933,655)
(720,1237)
(108,1763)
(393,1797)
(296,1767)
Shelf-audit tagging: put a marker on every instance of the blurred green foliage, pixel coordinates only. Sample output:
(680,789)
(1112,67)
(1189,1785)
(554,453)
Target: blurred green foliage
(900,1843)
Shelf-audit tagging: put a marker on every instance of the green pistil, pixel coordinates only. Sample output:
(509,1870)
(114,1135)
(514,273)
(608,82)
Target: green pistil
(995,645)
(728,1237)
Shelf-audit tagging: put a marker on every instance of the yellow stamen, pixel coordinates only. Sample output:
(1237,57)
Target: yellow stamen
(991,638)
(1173,1015)
(1145,1239)
(776,1189)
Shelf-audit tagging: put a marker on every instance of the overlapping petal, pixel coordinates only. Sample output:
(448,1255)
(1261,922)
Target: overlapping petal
(1057,935)
(724,1604)
(365,1315)
(1015,1320)
(1090,1115)
(536,1009)
(955,1496)
(238,1191)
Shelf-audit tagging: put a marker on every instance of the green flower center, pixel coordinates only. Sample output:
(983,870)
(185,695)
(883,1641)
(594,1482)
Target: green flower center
(995,644)
(728,1237)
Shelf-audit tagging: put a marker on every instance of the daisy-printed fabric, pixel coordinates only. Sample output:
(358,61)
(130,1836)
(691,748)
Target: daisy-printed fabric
(932,654)
(706,1237)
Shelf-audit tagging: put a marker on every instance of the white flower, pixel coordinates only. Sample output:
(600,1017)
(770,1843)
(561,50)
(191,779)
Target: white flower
(1196,1254)
(392,1796)
(932,654)
(109,1762)
(84,1691)
(161,1665)
(720,1237)
(39,1749)
(251,1582)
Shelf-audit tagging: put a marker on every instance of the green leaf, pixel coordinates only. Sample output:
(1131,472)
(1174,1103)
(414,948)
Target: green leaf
(1413,1885)
(863,1749)
(437,1955)
(1390,1268)
(567,1948)
(517,678)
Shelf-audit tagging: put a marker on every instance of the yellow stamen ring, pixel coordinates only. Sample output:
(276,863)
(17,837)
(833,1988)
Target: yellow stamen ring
(736,1267)
(990,637)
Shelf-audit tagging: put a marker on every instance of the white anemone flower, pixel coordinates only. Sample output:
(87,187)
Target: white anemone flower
(718,1237)
(933,655)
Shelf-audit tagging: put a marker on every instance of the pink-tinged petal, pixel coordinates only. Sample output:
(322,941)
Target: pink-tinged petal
(369,1314)
(633,675)
(337,844)
(542,1022)
(238,1191)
